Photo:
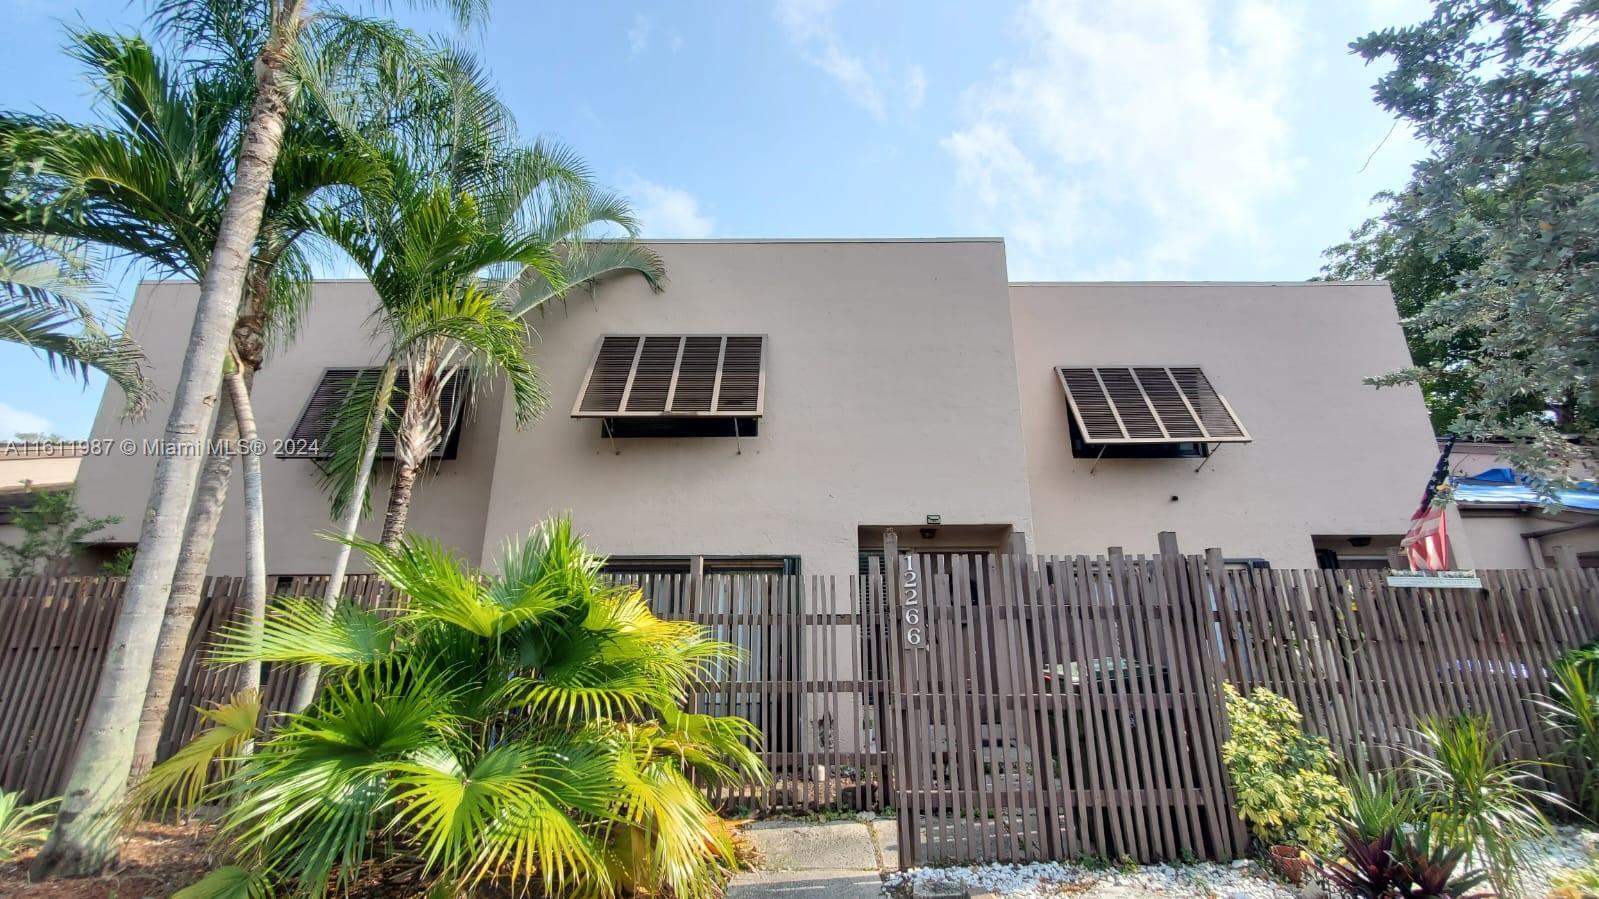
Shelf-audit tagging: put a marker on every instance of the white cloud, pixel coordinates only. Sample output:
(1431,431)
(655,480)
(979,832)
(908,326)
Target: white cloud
(810,26)
(667,211)
(1158,126)
(915,86)
(638,34)
(642,33)
(14,421)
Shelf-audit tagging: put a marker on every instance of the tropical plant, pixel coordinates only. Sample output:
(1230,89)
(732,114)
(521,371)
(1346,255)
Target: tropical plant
(1572,711)
(472,232)
(52,529)
(522,730)
(22,825)
(119,564)
(1475,801)
(1282,776)
(1378,803)
(175,178)
(46,289)
(1399,863)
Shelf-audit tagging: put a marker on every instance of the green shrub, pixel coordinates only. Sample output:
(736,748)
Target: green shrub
(1282,776)
(1477,802)
(518,733)
(1379,803)
(1572,711)
(22,826)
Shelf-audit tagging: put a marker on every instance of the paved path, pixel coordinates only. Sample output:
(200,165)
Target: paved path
(837,860)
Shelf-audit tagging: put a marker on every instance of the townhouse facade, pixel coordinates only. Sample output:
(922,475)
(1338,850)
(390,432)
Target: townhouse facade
(783,402)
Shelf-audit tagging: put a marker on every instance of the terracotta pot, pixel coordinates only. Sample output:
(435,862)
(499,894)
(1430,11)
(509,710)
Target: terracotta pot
(1290,862)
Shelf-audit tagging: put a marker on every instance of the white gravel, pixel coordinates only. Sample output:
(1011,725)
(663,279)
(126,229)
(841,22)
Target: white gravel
(1571,848)
(1051,879)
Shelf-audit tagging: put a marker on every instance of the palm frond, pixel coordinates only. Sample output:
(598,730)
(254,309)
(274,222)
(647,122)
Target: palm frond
(189,776)
(296,632)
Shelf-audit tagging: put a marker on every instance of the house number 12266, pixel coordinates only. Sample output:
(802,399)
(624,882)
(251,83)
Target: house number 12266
(915,636)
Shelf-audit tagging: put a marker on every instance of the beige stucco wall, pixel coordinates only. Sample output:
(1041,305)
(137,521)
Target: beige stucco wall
(1330,455)
(38,466)
(889,395)
(335,332)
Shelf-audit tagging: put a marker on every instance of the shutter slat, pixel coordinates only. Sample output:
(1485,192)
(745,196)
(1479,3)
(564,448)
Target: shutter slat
(741,376)
(1148,404)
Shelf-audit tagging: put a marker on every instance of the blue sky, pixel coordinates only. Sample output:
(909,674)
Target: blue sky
(1135,140)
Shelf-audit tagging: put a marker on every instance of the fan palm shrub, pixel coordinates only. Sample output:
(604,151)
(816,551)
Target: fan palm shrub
(1478,798)
(522,731)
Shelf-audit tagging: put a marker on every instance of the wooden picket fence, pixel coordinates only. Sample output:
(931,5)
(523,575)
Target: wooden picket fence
(800,640)
(1061,707)
(1006,708)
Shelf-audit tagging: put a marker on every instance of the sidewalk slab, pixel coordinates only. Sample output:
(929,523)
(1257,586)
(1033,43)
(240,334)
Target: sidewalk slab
(832,884)
(834,846)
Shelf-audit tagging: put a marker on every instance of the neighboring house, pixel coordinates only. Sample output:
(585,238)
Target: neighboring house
(1507,525)
(784,401)
(28,469)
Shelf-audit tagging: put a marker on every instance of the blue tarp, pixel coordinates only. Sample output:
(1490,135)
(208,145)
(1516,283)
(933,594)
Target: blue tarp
(1503,486)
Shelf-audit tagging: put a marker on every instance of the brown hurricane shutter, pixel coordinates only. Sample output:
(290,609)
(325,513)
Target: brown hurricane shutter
(308,439)
(1148,404)
(666,376)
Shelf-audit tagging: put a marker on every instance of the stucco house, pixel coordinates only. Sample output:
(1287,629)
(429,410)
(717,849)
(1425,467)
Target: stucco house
(784,401)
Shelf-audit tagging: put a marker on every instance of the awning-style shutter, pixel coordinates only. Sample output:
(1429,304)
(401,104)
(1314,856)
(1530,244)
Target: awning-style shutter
(672,376)
(309,439)
(1148,404)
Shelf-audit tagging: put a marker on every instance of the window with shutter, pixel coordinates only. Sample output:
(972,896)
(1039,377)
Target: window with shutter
(309,437)
(1146,411)
(676,385)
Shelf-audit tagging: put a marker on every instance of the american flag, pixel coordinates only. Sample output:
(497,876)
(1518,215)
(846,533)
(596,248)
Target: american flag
(1426,544)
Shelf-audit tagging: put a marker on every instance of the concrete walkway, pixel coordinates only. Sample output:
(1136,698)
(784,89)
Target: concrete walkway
(836,860)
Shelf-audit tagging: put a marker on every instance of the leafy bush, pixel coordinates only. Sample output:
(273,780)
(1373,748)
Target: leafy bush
(520,732)
(1572,711)
(22,826)
(1282,776)
(1477,802)
(1398,864)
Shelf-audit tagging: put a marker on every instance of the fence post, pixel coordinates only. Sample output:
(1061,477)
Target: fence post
(891,569)
(1167,542)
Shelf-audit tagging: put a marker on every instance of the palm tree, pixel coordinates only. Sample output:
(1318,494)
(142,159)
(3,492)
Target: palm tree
(82,841)
(150,185)
(471,233)
(522,731)
(46,288)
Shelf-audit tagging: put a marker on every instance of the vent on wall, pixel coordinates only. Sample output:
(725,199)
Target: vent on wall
(309,439)
(1112,405)
(675,376)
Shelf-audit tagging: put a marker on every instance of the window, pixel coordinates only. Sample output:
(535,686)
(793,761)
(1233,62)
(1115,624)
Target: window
(1146,412)
(706,385)
(309,439)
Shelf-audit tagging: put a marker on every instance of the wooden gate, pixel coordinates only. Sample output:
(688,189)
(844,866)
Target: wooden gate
(1049,708)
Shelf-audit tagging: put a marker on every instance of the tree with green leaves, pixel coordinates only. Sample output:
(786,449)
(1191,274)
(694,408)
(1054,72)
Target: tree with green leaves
(472,232)
(1493,247)
(148,182)
(514,733)
(83,840)
(53,531)
(47,288)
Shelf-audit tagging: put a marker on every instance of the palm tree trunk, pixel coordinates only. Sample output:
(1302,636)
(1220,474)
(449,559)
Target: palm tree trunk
(255,586)
(199,535)
(399,504)
(83,840)
(184,600)
(305,688)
